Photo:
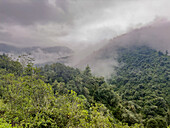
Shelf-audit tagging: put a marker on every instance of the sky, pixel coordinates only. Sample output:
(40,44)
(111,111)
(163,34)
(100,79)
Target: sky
(74,22)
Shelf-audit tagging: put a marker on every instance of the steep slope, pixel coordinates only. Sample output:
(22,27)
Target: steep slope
(155,35)
(142,78)
(137,64)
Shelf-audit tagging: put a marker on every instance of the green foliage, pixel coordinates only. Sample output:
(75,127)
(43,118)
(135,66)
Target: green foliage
(9,65)
(106,95)
(58,72)
(87,71)
(143,78)
(60,96)
(27,101)
(4,124)
(25,97)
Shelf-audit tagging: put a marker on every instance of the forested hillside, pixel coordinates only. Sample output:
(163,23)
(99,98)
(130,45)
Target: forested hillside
(44,97)
(143,82)
(60,96)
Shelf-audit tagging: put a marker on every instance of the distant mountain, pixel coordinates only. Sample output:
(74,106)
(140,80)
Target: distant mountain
(41,55)
(155,35)
(7,48)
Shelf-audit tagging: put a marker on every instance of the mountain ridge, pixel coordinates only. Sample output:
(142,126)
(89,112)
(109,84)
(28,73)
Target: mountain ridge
(153,35)
(41,55)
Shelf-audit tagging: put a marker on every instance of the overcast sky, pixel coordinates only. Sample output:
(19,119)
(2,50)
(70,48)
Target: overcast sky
(74,22)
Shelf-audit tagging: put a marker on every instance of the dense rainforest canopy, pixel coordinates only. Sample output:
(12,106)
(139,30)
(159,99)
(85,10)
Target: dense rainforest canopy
(55,95)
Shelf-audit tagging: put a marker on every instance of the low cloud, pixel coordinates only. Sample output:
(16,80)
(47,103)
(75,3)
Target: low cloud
(103,61)
(74,22)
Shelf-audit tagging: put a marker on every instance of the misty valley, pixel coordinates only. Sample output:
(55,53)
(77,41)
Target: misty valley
(84,64)
(137,93)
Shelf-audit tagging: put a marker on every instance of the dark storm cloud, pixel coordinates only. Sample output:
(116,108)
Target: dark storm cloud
(28,12)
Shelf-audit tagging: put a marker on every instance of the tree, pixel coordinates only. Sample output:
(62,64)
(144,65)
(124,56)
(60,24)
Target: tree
(87,71)
(166,52)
